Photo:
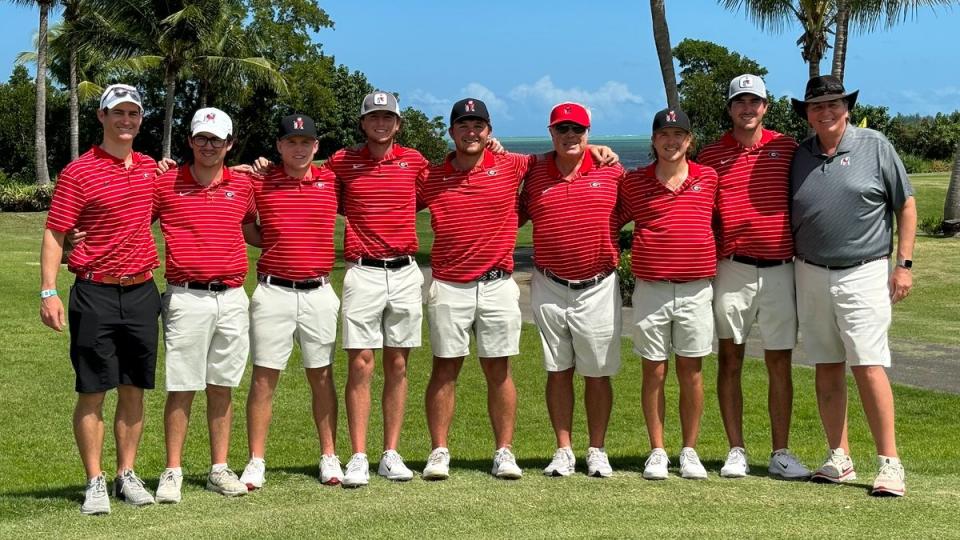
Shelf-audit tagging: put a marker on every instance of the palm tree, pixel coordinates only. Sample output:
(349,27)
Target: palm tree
(661,36)
(951,206)
(816,17)
(40,121)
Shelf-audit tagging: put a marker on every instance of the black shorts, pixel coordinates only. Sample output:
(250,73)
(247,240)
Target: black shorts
(113,335)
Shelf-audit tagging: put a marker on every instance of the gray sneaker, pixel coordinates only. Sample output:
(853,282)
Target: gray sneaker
(128,487)
(168,490)
(226,483)
(598,465)
(96,500)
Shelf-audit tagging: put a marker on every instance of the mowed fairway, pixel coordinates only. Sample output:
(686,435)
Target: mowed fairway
(42,480)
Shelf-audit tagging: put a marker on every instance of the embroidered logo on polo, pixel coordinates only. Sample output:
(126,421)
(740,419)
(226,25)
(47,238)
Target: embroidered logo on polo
(320,185)
(774,154)
(696,188)
(402,164)
(845,161)
(594,184)
(357,165)
(491,172)
(230,194)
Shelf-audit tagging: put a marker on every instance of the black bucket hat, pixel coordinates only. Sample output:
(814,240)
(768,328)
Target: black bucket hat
(823,88)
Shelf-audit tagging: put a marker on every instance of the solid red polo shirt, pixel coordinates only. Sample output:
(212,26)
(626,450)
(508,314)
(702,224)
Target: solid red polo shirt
(673,236)
(202,226)
(574,221)
(473,214)
(297,220)
(754,195)
(99,195)
(379,201)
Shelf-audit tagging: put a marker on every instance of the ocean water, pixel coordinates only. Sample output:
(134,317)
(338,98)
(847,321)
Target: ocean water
(633,151)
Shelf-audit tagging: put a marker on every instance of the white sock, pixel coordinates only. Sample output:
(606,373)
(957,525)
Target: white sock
(890,460)
(176,470)
(218,467)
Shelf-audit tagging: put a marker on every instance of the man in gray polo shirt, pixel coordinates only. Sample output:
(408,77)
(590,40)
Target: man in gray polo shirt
(846,186)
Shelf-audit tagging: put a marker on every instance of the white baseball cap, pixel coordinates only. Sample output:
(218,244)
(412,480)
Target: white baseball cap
(211,120)
(116,94)
(747,84)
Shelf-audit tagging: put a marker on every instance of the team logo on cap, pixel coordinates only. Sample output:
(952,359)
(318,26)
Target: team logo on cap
(298,123)
(379,99)
(567,109)
(211,116)
(746,82)
(671,116)
(470,107)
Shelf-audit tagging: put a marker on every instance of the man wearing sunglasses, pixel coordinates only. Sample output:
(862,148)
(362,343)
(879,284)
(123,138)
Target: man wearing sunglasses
(114,303)
(575,293)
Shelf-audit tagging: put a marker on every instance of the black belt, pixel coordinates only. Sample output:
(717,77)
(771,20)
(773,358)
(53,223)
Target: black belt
(492,274)
(578,284)
(213,286)
(760,263)
(389,264)
(305,284)
(843,266)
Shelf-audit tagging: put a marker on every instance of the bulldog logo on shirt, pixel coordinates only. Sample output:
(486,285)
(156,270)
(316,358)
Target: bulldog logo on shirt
(320,185)
(696,188)
(774,154)
(229,194)
(402,164)
(845,161)
(491,172)
(594,184)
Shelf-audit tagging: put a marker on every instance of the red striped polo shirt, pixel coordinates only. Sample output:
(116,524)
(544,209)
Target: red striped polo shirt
(99,195)
(574,221)
(673,234)
(297,220)
(754,195)
(379,201)
(473,214)
(202,226)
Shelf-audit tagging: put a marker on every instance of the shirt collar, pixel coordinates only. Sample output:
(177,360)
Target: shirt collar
(100,153)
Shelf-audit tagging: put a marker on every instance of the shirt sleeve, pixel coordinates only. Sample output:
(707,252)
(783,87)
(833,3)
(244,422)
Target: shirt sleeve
(895,178)
(624,211)
(67,203)
(421,188)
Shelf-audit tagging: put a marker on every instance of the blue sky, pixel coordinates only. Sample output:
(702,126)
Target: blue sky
(522,57)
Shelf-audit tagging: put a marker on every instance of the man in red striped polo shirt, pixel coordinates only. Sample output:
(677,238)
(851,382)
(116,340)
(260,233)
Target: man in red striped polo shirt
(671,202)
(297,205)
(114,303)
(575,292)
(382,306)
(203,207)
(754,280)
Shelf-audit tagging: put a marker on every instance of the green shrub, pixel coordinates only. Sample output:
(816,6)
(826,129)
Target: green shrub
(627,280)
(916,164)
(931,225)
(15,197)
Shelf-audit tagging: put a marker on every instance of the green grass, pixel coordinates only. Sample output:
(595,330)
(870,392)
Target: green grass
(931,191)
(42,477)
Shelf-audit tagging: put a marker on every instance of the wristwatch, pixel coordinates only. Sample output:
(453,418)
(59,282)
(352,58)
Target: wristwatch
(905,263)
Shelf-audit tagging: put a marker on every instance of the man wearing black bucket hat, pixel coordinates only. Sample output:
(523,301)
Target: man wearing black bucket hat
(846,186)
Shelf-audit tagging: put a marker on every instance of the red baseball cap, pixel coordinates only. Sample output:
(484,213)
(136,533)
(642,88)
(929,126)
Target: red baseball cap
(570,112)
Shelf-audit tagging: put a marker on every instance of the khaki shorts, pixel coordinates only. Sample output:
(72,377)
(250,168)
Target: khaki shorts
(578,328)
(382,307)
(744,294)
(675,317)
(845,314)
(280,315)
(206,336)
(489,309)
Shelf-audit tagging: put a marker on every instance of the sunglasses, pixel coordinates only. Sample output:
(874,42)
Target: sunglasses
(201,141)
(563,129)
(121,92)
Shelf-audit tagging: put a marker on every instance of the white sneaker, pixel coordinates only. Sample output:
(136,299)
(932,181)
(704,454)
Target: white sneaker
(736,465)
(655,467)
(690,466)
(438,465)
(253,474)
(393,467)
(837,469)
(358,471)
(890,479)
(226,483)
(96,500)
(562,464)
(330,472)
(787,466)
(598,465)
(168,489)
(129,488)
(505,465)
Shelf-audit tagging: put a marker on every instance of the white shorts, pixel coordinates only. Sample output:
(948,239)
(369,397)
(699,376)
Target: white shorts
(674,317)
(578,328)
(382,307)
(845,314)
(206,338)
(280,315)
(491,309)
(743,294)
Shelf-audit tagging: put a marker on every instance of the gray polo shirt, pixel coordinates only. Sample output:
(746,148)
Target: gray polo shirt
(842,206)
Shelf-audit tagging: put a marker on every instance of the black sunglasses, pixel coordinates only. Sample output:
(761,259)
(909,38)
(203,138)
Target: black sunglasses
(202,141)
(563,129)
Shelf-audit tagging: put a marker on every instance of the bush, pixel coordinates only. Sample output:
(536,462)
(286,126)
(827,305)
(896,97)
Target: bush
(16,197)
(627,280)
(916,164)
(931,225)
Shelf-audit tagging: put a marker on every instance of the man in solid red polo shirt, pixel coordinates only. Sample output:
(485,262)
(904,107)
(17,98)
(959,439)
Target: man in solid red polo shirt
(203,207)
(297,205)
(114,304)
(754,280)
(575,292)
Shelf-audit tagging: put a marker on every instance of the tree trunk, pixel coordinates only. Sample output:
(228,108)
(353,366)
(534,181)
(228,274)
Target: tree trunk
(814,67)
(951,207)
(661,36)
(170,85)
(840,39)
(74,108)
(40,126)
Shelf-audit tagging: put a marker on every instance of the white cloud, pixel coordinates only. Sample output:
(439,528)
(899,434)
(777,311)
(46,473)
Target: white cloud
(607,100)
(499,110)
(430,104)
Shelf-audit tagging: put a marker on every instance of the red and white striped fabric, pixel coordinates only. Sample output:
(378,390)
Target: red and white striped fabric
(379,201)
(99,195)
(754,195)
(297,220)
(574,221)
(202,226)
(473,214)
(673,238)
